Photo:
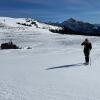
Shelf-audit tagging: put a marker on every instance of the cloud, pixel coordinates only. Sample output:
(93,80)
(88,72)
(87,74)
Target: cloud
(49,9)
(16,4)
(90,13)
(49,4)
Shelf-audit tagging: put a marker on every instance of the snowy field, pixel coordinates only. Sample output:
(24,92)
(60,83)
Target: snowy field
(51,70)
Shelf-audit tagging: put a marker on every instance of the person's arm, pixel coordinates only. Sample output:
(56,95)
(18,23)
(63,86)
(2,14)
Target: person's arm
(82,43)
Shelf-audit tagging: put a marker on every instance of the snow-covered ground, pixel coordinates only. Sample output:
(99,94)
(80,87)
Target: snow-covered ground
(51,70)
(11,25)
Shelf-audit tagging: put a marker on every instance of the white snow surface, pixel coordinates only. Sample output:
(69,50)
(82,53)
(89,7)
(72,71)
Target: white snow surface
(11,25)
(51,70)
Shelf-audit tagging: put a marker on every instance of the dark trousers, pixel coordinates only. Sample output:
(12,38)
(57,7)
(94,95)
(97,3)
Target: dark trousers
(87,59)
(86,54)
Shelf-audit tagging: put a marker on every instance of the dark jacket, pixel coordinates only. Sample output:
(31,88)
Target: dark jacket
(87,47)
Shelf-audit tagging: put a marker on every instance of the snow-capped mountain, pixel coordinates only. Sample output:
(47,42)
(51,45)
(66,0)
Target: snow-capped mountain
(24,24)
(79,26)
(70,26)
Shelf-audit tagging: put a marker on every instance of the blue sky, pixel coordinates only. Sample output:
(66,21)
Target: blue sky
(52,10)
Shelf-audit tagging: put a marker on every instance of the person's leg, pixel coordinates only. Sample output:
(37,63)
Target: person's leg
(86,53)
(87,59)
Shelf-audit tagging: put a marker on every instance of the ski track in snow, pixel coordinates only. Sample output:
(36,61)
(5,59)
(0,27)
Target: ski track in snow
(11,92)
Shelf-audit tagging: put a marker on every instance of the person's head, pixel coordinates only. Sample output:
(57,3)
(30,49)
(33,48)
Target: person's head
(86,40)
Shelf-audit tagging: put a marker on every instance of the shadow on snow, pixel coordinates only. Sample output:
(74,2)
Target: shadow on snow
(66,66)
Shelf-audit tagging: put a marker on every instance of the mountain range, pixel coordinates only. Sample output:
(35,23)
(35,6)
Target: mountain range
(69,26)
(72,26)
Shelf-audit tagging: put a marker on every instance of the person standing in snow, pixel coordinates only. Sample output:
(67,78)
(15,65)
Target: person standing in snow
(87,48)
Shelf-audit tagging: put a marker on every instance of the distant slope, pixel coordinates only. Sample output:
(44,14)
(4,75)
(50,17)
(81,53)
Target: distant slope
(23,24)
(78,26)
(72,26)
